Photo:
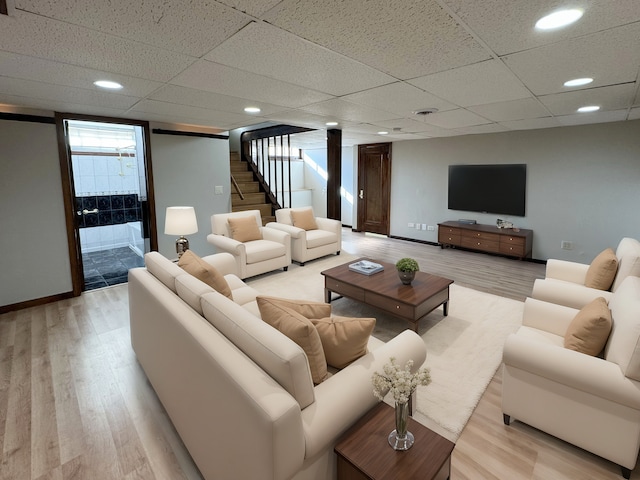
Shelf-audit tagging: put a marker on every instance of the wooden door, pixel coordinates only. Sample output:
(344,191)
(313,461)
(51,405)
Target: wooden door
(374,187)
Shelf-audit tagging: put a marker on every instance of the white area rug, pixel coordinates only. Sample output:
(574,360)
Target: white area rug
(464,349)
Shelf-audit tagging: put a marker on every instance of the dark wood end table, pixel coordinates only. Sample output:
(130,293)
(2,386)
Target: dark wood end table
(364,453)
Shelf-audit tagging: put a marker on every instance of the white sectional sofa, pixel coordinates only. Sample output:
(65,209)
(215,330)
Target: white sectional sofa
(239,392)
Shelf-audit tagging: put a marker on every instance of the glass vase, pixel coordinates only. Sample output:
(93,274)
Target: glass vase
(400,438)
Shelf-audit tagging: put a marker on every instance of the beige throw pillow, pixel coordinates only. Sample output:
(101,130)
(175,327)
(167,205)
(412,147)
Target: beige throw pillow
(244,229)
(196,266)
(279,314)
(304,219)
(602,270)
(589,330)
(344,339)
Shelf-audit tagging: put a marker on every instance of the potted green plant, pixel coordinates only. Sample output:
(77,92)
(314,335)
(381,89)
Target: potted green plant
(407,268)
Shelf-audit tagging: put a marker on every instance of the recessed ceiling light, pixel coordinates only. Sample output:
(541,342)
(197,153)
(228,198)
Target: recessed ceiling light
(590,108)
(576,82)
(331,124)
(107,84)
(252,110)
(383,133)
(559,19)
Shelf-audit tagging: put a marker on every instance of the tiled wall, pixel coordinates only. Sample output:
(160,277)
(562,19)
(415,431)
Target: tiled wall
(112,210)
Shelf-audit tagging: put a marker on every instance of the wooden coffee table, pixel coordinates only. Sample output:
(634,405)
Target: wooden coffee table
(364,452)
(385,291)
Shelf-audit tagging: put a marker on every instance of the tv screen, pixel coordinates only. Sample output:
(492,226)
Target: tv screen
(499,189)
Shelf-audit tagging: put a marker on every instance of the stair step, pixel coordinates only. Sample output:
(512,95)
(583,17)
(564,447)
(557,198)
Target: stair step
(265,209)
(239,167)
(248,187)
(234,156)
(249,198)
(243,176)
(266,219)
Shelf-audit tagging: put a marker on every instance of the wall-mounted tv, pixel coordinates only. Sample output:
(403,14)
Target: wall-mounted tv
(499,188)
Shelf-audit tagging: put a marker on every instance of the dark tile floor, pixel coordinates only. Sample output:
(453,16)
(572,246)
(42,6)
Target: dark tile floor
(109,267)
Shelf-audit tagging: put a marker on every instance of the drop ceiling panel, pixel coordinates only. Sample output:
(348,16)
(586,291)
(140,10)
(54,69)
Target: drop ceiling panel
(155,23)
(634,114)
(532,123)
(70,44)
(60,106)
(481,129)
(185,111)
(213,77)
(214,101)
(406,124)
(307,119)
(608,98)
(399,98)
(338,108)
(252,7)
(477,84)
(511,110)
(609,57)
(264,49)
(57,93)
(405,40)
(455,119)
(593,117)
(507,26)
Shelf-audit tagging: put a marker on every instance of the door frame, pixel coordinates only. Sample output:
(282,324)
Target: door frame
(361,186)
(68,189)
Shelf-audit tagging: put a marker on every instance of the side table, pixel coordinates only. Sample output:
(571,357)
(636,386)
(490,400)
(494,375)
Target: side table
(364,453)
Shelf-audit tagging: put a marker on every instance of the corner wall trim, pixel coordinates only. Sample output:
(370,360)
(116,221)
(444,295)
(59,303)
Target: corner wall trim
(19,117)
(161,131)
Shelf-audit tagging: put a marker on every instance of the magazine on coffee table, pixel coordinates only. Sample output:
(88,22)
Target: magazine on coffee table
(366,267)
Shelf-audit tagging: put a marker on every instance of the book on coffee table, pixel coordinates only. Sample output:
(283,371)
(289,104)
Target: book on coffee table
(366,267)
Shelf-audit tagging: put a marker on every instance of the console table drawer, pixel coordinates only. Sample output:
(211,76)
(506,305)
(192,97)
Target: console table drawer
(345,289)
(449,238)
(490,237)
(449,230)
(481,244)
(508,240)
(515,250)
(390,305)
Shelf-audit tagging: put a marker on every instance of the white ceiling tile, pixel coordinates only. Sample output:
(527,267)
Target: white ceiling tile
(399,98)
(60,106)
(593,117)
(405,40)
(70,44)
(508,25)
(237,83)
(455,119)
(348,111)
(187,111)
(407,125)
(252,7)
(481,129)
(154,23)
(512,110)
(266,50)
(485,82)
(532,123)
(608,98)
(634,114)
(609,57)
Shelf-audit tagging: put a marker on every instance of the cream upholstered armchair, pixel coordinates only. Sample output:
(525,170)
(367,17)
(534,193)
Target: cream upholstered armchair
(256,249)
(311,237)
(591,401)
(565,283)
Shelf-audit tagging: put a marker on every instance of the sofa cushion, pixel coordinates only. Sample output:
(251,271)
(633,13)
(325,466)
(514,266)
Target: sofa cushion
(304,219)
(279,314)
(261,250)
(244,229)
(344,339)
(190,289)
(628,253)
(319,238)
(163,269)
(271,350)
(602,270)
(623,346)
(205,272)
(589,330)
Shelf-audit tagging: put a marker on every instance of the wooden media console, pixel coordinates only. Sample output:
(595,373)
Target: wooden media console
(486,238)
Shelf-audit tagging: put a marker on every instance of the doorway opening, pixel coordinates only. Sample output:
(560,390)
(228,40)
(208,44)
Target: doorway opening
(110,199)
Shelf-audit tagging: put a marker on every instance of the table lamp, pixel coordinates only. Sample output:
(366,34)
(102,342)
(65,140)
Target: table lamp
(181,221)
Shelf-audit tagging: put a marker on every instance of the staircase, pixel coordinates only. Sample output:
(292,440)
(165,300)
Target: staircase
(254,199)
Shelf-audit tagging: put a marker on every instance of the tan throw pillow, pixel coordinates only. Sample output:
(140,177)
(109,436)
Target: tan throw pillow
(344,339)
(602,270)
(279,314)
(304,219)
(589,330)
(244,229)
(196,266)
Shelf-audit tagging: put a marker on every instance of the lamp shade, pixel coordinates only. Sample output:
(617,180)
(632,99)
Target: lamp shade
(180,221)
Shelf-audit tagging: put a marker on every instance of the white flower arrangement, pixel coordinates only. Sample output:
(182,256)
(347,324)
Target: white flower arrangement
(400,382)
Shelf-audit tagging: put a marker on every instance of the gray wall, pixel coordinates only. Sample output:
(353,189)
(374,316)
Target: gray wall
(583,184)
(35,258)
(186,171)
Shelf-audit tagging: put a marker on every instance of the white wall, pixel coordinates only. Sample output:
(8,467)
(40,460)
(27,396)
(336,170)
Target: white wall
(583,184)
(186,171)
(35,258)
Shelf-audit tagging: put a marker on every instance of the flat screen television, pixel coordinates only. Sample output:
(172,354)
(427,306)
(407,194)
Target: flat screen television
(499,189)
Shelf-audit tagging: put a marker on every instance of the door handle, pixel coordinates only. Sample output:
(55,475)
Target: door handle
(85,211)
(361,195)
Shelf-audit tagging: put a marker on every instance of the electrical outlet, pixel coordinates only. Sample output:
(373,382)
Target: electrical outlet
(424,226)
(218,190)
(431,228)
(417,226)
(566,245)
(411,225)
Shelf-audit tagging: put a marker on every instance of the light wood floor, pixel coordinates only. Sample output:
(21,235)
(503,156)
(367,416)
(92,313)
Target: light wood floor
(74,403)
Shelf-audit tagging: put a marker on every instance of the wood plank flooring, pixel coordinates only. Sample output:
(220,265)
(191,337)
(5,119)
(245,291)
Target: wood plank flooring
(75,404)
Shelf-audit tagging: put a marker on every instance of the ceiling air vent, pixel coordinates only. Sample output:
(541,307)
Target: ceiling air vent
(425,111)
